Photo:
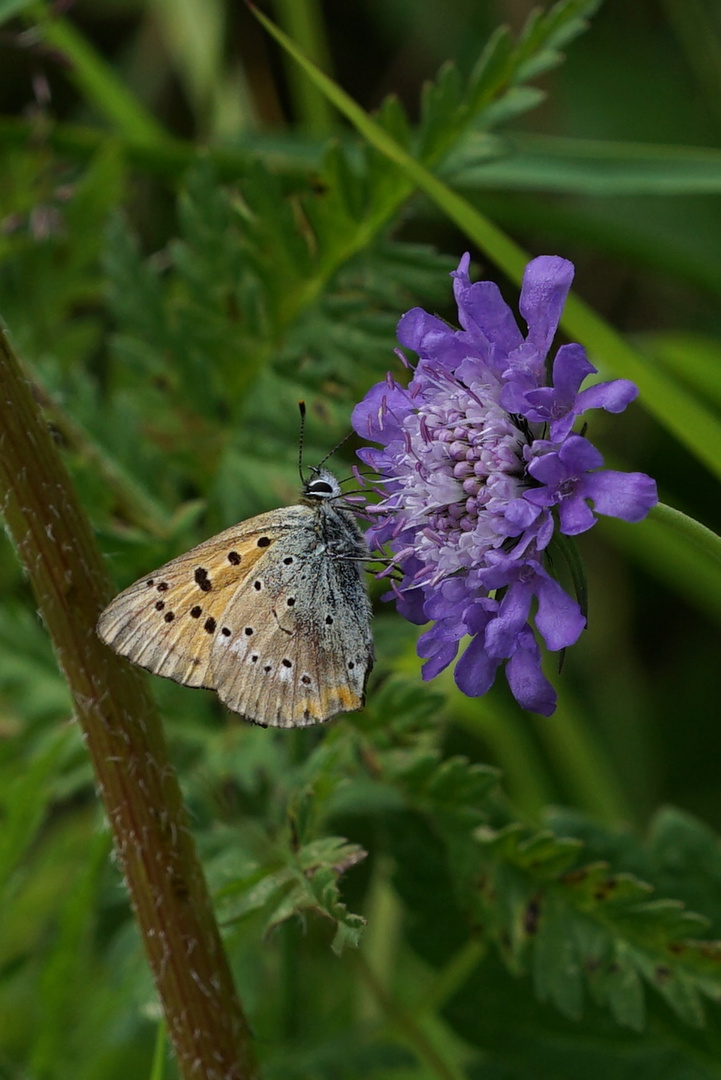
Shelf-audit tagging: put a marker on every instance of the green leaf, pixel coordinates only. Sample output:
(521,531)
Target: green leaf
(308,881)
(26,793)
(590,924)
(10,8)
(522,161)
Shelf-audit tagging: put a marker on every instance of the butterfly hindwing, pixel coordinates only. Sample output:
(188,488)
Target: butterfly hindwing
(295,646)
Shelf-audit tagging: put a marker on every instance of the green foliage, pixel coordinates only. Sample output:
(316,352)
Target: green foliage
(393,905)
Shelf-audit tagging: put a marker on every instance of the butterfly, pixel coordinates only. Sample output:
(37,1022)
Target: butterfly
(273,614)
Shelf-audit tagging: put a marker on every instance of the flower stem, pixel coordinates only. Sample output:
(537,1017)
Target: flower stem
(525,777)
(697,535)
(584,770)
(407,1023)
(135,779)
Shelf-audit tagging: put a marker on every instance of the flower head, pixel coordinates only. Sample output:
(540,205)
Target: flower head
(480,467)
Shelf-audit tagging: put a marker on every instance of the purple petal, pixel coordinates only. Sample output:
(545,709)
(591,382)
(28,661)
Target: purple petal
(520,513)
(422,332)
(448,601)
(502,633)
(476,670)
(525,364)
(482,310)
(548,469)
(379,414)
(575,516)
(546,282)
(410,606)
(558,617)
(444,653)
(541,496)
(620,494)
(539,406)
(579,455)
(515,390)
(570,368)
(612,396)
(528,684)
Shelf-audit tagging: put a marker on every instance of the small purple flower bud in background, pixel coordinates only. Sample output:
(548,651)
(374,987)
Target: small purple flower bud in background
(480,467)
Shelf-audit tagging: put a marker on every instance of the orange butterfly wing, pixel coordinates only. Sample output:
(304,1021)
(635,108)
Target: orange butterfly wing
(165,621)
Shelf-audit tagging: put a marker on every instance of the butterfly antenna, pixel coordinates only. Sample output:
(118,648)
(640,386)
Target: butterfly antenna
(335,448)
(301,436)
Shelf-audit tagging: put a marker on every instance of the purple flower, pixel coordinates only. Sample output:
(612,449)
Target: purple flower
(480,467)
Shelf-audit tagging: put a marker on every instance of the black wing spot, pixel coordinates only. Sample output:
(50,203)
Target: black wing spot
(255,658)
(202,580)
(305,679)
(351,665)
(289,560)
(226,631)
(248,631)
(209,625)
(234,558)
(329,620)
(160,604)
(306,714)
(290,601)
(257,585)
(163,586)
(267,667)
(196,612)
(150,581)
(263,541)
(169,616)
(287,663)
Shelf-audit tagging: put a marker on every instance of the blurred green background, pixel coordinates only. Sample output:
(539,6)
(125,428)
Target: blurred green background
(144,207)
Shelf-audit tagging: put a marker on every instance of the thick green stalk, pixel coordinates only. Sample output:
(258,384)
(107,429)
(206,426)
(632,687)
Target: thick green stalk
(125,741)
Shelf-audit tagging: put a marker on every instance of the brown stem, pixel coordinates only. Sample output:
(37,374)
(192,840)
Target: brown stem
(135,779)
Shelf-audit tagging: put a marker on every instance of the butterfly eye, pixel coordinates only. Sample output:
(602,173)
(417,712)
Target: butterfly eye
(320,487)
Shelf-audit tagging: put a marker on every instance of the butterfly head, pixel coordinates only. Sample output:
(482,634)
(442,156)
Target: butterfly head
(321,486)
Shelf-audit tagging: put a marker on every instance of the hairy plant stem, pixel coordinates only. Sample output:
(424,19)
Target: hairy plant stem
(135,779)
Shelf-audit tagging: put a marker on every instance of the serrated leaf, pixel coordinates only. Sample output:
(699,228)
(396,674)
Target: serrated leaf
(556,966)
(393,118)
(440,102)
(307,882)
(490,71)
(591,924)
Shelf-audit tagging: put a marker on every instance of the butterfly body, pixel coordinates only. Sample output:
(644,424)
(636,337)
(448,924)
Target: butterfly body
(273,613)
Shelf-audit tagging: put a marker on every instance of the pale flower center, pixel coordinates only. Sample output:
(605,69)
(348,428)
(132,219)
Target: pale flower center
(463,460)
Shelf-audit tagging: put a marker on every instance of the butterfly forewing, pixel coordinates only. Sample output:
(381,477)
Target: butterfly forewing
(273,614)
(165,622)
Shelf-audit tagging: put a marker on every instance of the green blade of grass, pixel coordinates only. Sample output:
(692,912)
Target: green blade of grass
(99,84)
